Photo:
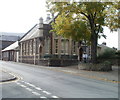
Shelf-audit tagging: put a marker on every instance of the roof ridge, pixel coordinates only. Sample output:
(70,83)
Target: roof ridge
(28,32)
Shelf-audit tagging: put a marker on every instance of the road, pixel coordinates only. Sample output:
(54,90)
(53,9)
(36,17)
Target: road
(40,82)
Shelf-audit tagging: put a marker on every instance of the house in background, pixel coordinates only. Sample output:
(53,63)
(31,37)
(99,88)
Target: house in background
(42,47)
(101,48)
(6,40)
(11,53)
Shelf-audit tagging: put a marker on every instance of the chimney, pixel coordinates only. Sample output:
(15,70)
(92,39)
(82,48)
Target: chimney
(48,17)
(40,22)
(104,43)
(41,26)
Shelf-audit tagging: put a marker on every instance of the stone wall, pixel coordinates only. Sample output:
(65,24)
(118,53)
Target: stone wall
(49,62)
(62,63)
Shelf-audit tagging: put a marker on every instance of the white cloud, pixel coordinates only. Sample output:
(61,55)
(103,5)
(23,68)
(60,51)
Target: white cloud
(20,15)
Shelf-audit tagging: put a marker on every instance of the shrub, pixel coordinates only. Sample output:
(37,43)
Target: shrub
(105,66)
(107,54)
(118,54)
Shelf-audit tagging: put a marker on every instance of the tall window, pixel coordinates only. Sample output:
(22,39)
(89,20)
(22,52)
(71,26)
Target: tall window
(62,46)
(28,47)
(73,47)
(66,46)
(5,54)
(48,45)
(56,45)
(36,46)
(23,48)
(32,47)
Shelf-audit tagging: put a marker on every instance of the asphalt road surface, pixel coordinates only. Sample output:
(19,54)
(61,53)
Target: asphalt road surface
(40,82)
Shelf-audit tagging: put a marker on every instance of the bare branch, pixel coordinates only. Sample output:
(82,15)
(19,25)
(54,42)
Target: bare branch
(84,14)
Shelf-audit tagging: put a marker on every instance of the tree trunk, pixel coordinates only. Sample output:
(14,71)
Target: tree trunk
(94,39)
(94,48)
(80,50)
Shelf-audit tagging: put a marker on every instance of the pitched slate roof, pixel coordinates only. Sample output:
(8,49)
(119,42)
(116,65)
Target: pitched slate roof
(35,32)
(11,47)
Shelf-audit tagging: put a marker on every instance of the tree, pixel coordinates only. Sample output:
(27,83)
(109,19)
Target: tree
(85,20)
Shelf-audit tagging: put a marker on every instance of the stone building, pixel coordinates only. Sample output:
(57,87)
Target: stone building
(42,47)
(5,40)
(11,53)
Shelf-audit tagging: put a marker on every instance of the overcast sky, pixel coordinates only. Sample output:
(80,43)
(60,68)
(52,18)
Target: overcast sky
(19,16)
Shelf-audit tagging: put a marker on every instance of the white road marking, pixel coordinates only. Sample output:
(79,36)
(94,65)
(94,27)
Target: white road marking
(23,86)
(23,81)
(27,83)
(36,93)
(29,89)
(42,97)
(38,88)
(55,97)
(46,92)
(30,84)
(17,83)
(33,86)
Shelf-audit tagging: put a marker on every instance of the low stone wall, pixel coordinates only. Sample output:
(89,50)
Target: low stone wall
(42,62)
(54,63)
(62,63)
(57,63)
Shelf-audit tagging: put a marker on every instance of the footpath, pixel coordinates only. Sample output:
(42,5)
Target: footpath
(6,77)
(111,76)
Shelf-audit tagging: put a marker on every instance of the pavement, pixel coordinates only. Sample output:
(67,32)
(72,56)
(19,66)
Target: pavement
(6,77)
(111,76)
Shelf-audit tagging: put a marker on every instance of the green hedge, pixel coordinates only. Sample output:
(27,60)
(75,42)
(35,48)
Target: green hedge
(105,66)
(107,54)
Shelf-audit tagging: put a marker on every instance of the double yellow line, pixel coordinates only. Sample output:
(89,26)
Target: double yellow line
(14,79)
